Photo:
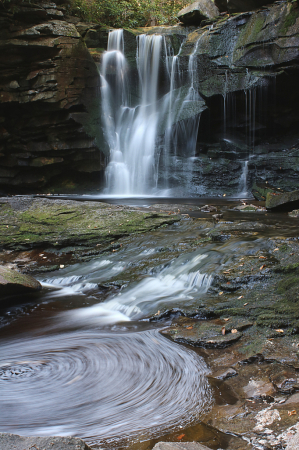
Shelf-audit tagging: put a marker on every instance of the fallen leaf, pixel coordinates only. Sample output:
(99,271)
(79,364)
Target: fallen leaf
(226,319)
(241,265)
(189,328)
(241,296)
(224,195)
(279,330)
(220,293)
(226,272)
(262,257)
(223,331)
(263,266)
(292,413)
(245,304)
(61,266)
(157,313)
(276,250)
(228,282)
(180,437)
(234,331)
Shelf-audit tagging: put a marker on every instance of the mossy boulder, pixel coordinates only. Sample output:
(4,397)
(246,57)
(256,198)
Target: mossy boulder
(15,283)
(283,200)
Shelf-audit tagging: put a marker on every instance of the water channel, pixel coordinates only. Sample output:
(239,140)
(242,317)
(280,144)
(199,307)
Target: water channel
(85,357)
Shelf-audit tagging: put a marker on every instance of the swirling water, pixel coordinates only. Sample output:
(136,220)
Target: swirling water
(100,371)
(103,386)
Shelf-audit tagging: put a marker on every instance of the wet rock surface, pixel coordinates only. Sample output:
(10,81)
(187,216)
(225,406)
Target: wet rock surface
(14,442)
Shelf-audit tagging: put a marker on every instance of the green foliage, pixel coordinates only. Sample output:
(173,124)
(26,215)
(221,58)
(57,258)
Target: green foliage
(128,14)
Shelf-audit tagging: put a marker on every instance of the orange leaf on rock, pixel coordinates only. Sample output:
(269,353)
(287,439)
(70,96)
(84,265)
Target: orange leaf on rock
(292,413)
(189,328)
(234,331)
(279,330)
(180,437)
(223,331)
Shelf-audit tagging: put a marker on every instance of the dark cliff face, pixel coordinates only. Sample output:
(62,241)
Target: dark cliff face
(247,69)
(49,105)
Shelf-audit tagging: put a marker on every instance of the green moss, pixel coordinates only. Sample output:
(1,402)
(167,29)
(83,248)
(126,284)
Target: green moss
(288,284)
(48,222)
(251,30)
(289,20)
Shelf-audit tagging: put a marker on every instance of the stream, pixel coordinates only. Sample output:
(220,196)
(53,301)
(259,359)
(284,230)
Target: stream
(84,359)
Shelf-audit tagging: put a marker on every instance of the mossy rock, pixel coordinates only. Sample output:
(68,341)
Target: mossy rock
(15,283)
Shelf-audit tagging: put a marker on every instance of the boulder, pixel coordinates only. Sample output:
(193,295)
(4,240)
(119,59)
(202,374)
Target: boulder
(282,200)
(14,442)
(15,283)
(180,446)
(198,11)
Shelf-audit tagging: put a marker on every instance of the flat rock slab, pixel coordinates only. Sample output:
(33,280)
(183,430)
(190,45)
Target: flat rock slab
(202,334)
(14,442)
(198,11)
(14,283)
(180,446)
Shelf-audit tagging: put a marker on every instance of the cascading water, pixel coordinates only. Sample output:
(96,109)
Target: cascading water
(138,135)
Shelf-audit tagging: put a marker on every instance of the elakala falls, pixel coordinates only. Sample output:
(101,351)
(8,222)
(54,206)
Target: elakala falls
(144,128)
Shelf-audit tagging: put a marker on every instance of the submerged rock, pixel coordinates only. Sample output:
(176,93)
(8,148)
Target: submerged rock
(198,11)
(15,283)
(15,442)
(180,446)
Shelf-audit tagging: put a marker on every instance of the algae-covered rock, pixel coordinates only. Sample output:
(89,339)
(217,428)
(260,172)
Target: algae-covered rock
(195,13)
(14,283)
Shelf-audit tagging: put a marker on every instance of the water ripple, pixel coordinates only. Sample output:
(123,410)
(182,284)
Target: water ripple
(99,386)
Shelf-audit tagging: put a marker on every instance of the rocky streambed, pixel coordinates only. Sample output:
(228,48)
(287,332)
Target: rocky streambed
(157,322)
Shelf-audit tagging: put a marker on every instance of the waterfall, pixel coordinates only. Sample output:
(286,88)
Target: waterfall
(243,191)
(139,135)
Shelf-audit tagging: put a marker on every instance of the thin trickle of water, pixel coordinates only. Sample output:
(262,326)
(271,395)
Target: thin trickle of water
(243,182)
